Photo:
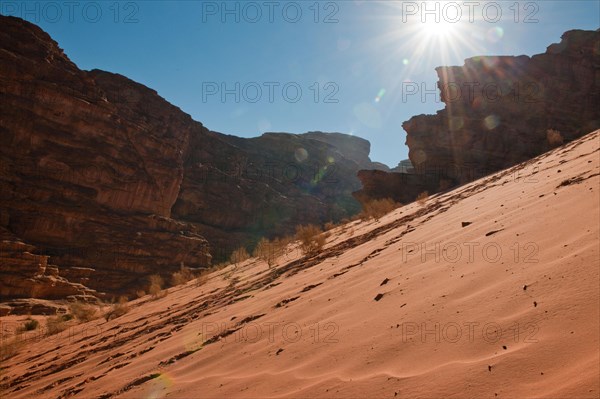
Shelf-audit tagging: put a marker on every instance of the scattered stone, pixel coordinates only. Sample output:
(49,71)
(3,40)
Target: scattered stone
(384,282)
(378,297)
(278,351)
(534,304)
(465,224)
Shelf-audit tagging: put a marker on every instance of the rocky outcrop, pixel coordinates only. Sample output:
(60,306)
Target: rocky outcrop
(498,111)
(107,181)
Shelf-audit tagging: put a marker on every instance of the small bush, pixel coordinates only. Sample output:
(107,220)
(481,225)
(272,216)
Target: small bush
(56,324)
(156,285)
(30,325)
(422,198)
(378,208)
(117,310)
(140,293)
(311,239)
(182,276)
(83,311)
(269,251)
(239,255)
(67,317)
(554,137)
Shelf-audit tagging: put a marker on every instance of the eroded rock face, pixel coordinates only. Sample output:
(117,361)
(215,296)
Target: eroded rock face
(107,181)
(498,111)
(238,190)
(88,183)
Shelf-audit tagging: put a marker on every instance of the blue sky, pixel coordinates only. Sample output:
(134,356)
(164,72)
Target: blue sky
(340,66)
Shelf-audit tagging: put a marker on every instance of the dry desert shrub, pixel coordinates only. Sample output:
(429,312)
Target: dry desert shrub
(30,325)
(239,255)
(554,137)
(378,207)
(311,239)
(269,251)
(56,324)
(155,287)
(117,310)
(83,311)
(422,198)
(182,276)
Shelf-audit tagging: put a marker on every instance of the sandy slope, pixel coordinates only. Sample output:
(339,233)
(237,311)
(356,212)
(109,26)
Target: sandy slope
(507,306)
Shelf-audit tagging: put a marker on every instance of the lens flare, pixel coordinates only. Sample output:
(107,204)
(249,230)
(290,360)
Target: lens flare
(495,34)
(160,386)
(380,95)
(491,122)
(300,154)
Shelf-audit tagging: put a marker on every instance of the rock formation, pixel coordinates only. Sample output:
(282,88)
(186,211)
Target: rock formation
(498,111)
(103,182)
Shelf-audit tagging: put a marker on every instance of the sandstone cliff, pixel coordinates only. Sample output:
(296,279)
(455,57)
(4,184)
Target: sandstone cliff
(498,111)
(103,182)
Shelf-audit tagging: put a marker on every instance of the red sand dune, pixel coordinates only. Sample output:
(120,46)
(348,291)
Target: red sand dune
(414,305)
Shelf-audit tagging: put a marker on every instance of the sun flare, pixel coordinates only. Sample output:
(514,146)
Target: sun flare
(440,30)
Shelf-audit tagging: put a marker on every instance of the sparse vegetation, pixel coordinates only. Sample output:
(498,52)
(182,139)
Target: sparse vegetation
(56,324)
(30,325)
(239,255)
(182,276)
(117,310)
(422,198)
(554,137)
(311,239)
(140,293)
(83,312)
(269,251)
(378,207)
(156,285)
(67,317)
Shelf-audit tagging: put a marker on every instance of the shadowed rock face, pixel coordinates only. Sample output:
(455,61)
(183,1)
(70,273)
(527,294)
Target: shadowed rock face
(103,182)
(498,111)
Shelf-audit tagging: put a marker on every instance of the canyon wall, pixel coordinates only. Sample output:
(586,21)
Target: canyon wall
(103,182)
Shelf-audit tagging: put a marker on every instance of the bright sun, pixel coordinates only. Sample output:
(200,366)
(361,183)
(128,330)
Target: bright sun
(439,30)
